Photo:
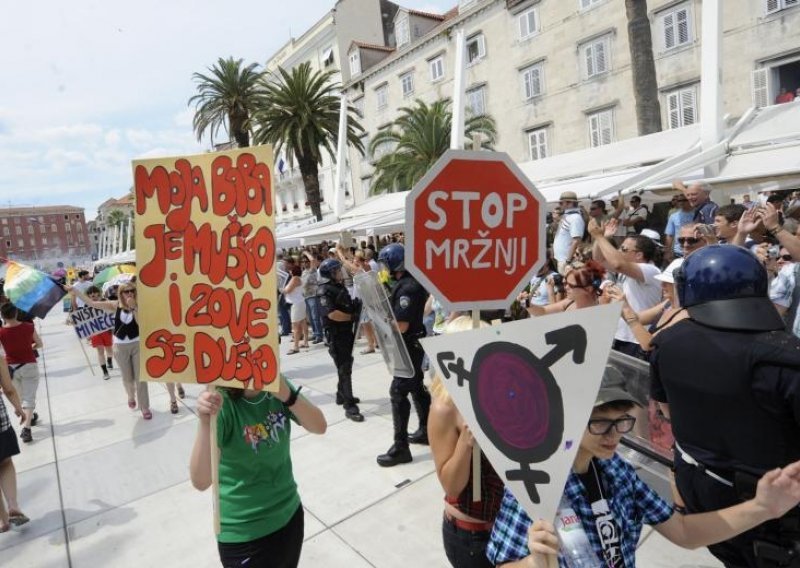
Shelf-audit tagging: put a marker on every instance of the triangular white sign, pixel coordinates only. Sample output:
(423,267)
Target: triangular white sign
(526,390)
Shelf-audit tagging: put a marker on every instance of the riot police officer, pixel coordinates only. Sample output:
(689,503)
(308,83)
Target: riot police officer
(337,311)
(408,299)
(730,374)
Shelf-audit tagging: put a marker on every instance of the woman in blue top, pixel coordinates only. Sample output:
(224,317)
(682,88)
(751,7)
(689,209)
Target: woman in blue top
(261,517)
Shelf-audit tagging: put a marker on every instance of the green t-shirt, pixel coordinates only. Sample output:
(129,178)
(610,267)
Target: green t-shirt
(257,491)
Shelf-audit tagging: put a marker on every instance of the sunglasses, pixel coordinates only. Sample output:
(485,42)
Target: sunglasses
(785,257)
(603,426)
(688,240)
(626,249)
(129,292)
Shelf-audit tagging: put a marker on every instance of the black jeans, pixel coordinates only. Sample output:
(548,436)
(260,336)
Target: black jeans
(465,549)
(280,549)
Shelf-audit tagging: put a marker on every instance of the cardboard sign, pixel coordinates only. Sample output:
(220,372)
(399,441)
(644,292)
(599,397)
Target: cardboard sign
(89,321)
(526,390)
(205,250)
(475,230)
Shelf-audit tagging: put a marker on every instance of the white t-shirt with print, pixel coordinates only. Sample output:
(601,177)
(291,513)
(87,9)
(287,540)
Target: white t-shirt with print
(570,227)
(640,296)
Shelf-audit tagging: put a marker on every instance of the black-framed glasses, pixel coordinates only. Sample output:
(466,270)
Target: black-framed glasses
(603,426)
(786,257)
(688,240)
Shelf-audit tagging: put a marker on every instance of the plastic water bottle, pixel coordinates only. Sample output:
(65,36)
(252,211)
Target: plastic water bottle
(576,550)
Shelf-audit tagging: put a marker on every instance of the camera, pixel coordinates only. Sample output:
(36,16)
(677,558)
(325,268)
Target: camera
(773,252)
(558,283)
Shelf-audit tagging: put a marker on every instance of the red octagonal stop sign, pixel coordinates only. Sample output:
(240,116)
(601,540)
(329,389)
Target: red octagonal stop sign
(475,230)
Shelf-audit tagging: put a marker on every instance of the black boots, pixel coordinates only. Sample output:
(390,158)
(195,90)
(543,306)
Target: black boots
(422,404)
(345,394)
(397,454)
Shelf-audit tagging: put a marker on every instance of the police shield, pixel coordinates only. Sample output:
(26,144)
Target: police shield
(379,310)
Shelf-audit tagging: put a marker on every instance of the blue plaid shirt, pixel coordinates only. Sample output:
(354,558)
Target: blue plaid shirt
(632,502)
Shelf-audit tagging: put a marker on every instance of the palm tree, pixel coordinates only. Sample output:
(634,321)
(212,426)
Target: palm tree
(645,83)
(116,217)
(418,138)
(298,114)
(225,99)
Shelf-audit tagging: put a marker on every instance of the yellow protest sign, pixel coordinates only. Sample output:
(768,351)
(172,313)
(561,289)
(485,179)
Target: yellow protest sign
(205,250)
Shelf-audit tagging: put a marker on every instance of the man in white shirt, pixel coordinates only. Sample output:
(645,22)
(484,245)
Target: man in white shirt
(570,230)
(633,262)
(84,283)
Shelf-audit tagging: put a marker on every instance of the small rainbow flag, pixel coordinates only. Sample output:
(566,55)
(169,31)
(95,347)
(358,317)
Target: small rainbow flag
(29,290)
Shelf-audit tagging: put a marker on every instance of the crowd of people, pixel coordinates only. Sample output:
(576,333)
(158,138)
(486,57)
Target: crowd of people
(709,300)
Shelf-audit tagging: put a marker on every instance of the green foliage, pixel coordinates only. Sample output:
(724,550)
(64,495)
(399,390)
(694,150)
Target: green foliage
(225,98)
(412,144)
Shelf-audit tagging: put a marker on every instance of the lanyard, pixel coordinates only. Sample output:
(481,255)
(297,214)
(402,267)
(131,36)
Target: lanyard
(604,522)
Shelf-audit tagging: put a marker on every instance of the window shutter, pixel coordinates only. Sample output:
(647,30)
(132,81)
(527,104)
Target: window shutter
(773,6)
(788,3)
(760,87)
(594,130)
(600,56)
(523,25)
(669,31)
(589,56)
(606,126)
(536,82)
(682,19)
(688,107)
(673,110)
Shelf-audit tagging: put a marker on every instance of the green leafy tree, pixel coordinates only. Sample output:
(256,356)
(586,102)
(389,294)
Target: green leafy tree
(298,114)
(226,98)
(406,149)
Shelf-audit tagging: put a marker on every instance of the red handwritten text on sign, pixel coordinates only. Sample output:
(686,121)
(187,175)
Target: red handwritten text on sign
(226,326)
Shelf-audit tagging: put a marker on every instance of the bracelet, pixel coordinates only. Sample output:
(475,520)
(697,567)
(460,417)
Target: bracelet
(293,397)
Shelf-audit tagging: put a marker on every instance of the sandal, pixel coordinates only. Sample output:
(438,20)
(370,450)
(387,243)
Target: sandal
(367,351)
(146,414)
(131,404)
(173,407)
(292,351)
(17,519)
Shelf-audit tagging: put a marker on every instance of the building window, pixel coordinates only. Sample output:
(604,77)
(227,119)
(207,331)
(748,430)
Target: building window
(537,143)
(18,230)
(327,56)
(402,31)
(8,244)
(682,107)
(596,57)
(586,4)
(476,48)
(80,238)
(382,96)
(355,63)
(476,101)
(53,228)
(437,68)
(41,220)
(601,128)
(42,228)
(30,229)
(5,231)
(21,243)
(676,27)
(44,241)
(528,23)
(407,83)
(778,5)
(358,104)
(532,81)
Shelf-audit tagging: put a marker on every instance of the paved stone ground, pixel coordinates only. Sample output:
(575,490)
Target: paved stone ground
(106,489)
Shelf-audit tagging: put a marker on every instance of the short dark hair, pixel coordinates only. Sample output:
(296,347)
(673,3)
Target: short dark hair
(646,246)
(600,204)
(82,273)
(616,405)
(732,212)
(92,290)
(9,311)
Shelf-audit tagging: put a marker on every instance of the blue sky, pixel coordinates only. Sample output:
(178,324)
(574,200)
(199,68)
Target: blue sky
(87,86)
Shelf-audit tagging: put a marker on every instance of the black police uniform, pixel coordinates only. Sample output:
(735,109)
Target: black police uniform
(408,304)
(340,335)
(734,399)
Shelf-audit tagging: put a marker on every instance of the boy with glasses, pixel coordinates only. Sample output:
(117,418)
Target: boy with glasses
(613,503)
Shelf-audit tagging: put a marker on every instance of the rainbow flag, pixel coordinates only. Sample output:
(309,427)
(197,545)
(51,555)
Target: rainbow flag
(29,290)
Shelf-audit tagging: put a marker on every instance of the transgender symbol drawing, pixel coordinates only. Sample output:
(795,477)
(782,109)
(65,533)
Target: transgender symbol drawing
(516,399)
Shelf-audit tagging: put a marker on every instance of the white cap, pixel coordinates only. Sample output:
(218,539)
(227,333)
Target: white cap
(652,235)
(668,274)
